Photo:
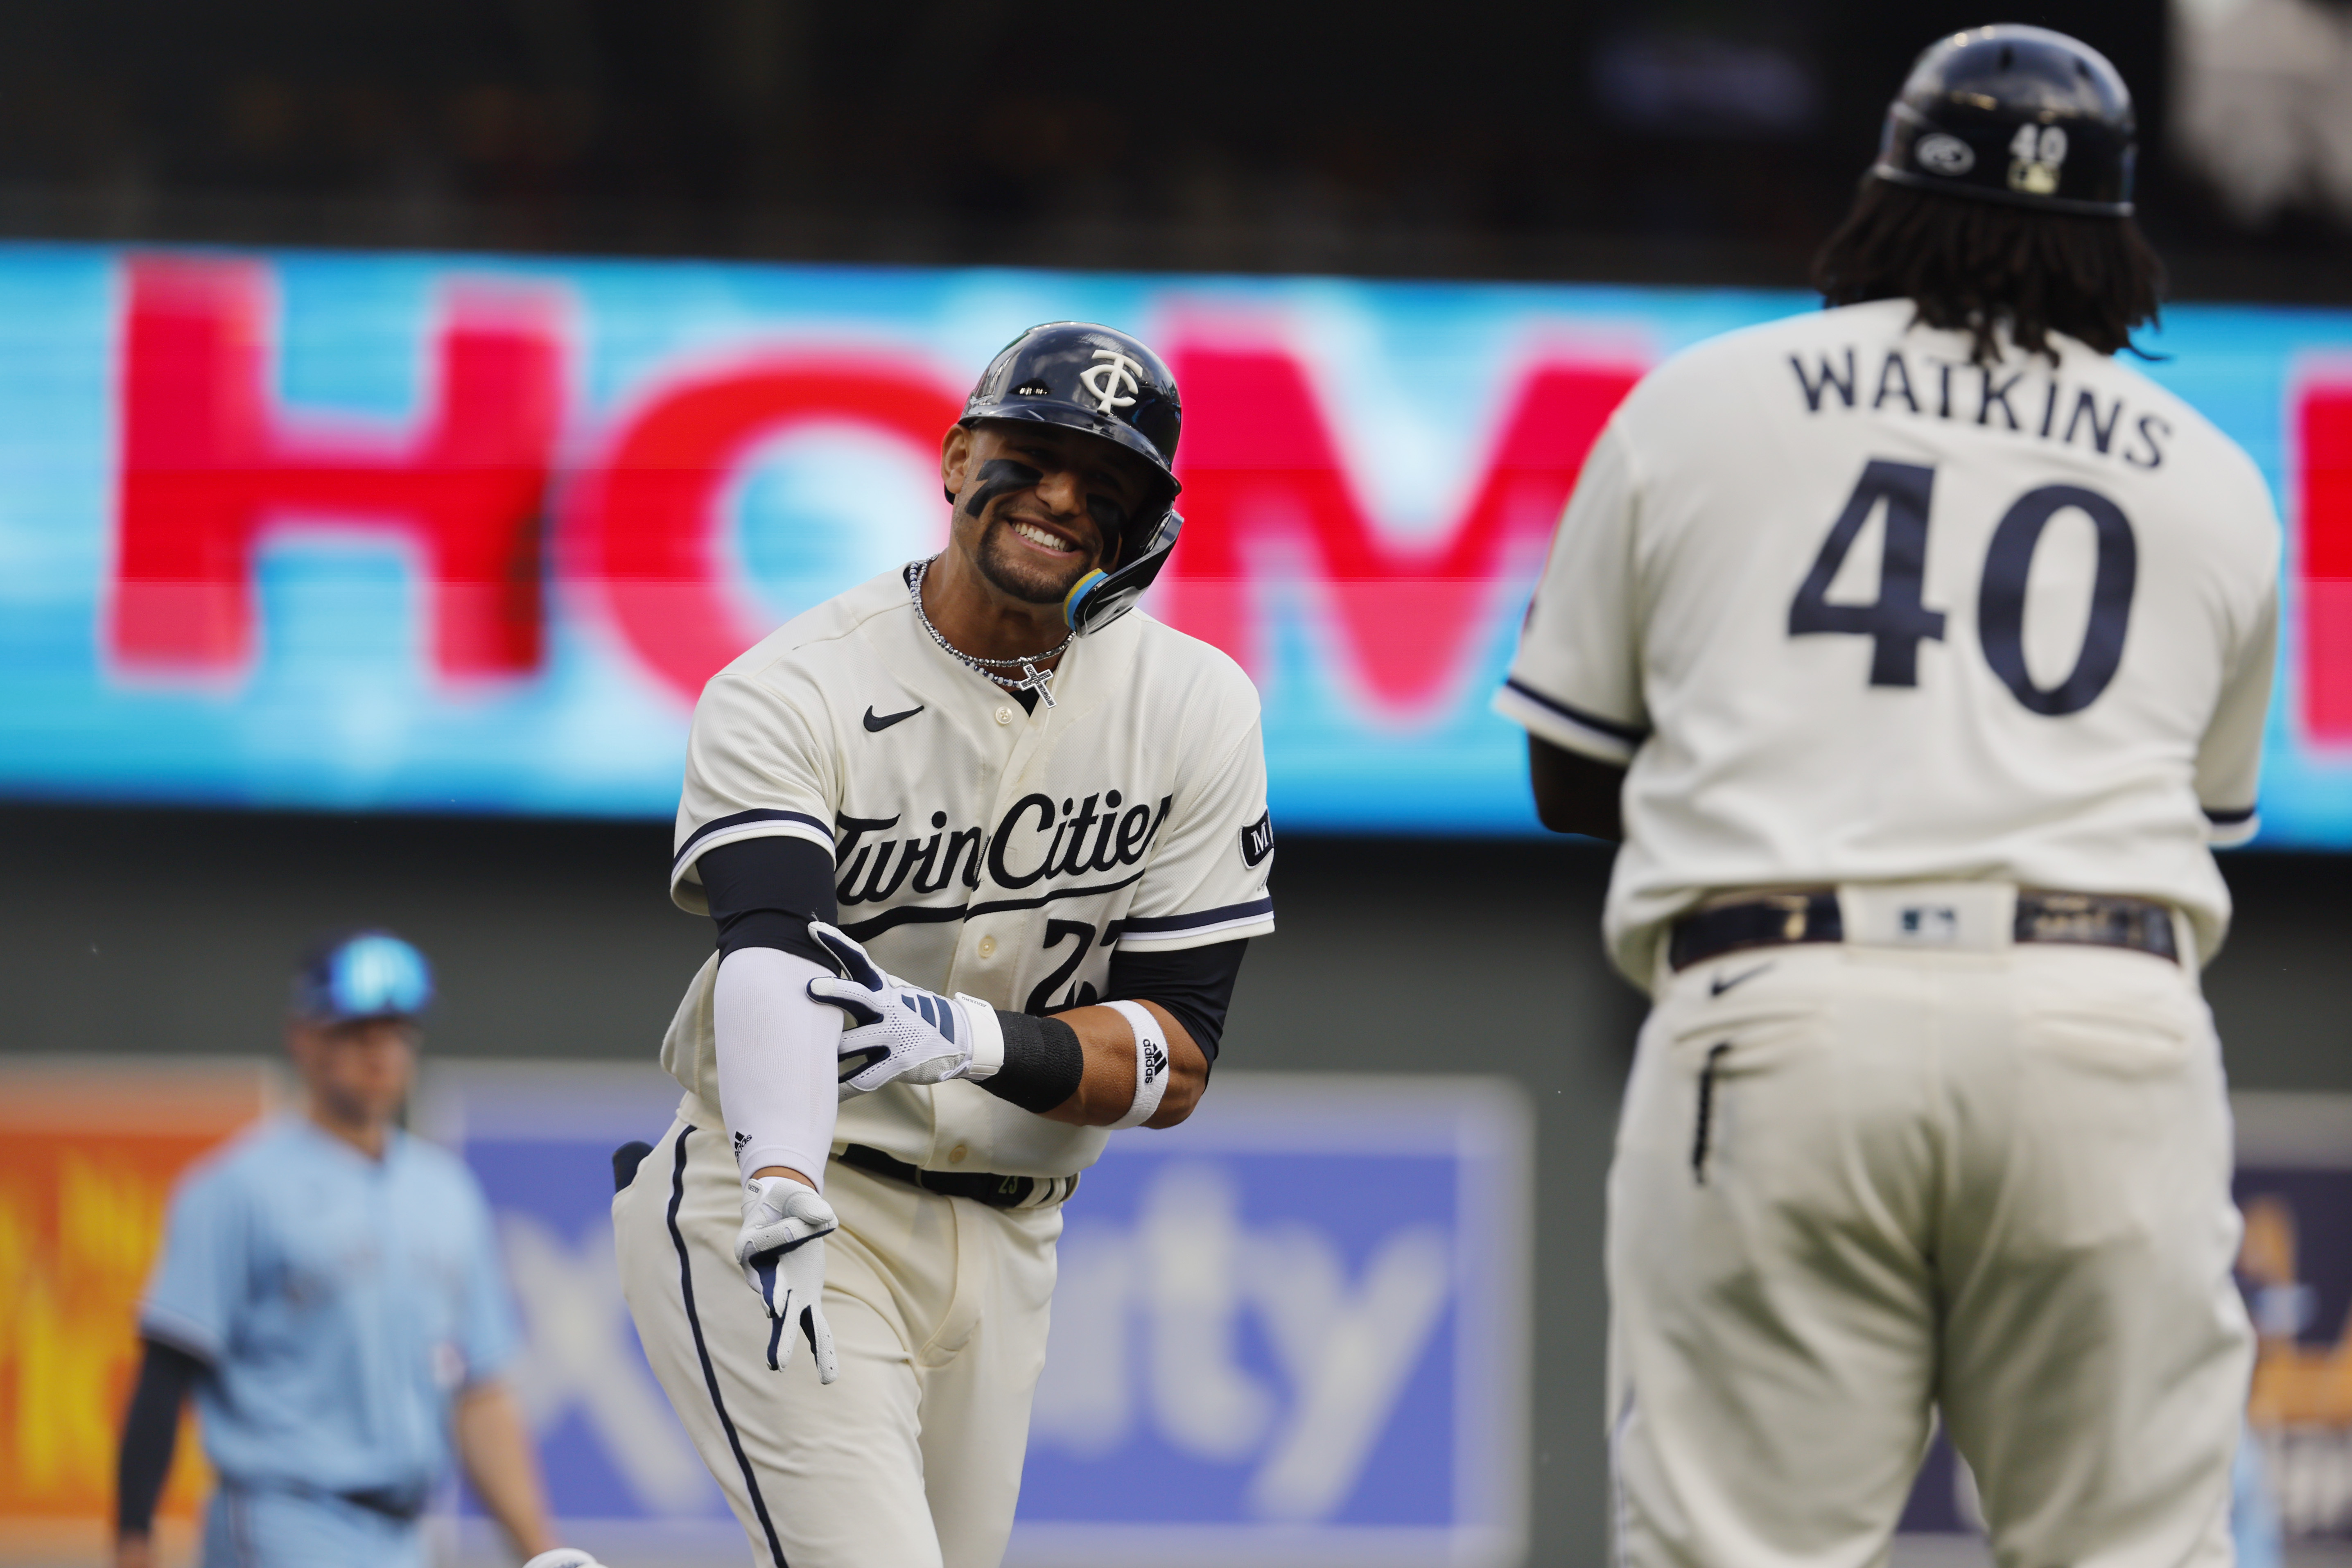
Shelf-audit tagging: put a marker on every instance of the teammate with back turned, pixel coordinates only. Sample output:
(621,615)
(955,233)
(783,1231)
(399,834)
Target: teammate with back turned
(1919,652)
(1048,815)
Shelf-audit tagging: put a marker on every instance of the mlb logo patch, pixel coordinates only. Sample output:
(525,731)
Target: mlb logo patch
(1937,924)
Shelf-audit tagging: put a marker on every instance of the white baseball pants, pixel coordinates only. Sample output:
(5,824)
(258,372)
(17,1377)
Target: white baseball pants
(911,1459)
(1853,1183)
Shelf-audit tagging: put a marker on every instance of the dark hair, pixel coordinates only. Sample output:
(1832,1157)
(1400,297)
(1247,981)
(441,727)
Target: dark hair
(1973,266)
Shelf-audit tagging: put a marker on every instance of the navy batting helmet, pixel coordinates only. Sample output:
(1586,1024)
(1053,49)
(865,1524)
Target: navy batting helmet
(2018,114)
(1107,384)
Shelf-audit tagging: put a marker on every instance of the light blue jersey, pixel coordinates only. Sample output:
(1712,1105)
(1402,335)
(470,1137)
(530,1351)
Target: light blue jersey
(341,1303)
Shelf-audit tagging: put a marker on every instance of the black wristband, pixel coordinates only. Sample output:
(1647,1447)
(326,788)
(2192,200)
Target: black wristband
(1044,1062)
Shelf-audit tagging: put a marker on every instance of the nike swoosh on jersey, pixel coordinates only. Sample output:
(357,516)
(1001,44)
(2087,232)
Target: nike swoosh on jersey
(1722,984)
(876,725)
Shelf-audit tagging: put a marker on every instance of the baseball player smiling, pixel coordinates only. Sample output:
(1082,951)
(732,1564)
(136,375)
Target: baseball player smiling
(984,851)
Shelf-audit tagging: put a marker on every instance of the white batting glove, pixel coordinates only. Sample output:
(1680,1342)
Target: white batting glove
(564,1557)
(901,1031)
(781,1249)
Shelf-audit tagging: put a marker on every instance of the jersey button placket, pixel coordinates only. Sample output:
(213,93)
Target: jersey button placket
(1015,779)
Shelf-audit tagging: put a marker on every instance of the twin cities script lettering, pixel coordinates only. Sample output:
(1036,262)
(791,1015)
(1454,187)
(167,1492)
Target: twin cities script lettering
(2030,401)
(1034,842)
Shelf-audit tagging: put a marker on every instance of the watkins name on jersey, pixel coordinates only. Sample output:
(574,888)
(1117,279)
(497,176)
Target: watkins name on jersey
(2033,398)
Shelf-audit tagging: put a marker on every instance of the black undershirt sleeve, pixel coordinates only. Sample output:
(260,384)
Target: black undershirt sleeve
(765,891)
(149,1433)
(1195,985)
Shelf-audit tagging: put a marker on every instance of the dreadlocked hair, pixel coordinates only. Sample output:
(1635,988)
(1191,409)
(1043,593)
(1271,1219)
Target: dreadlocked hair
(1978,267)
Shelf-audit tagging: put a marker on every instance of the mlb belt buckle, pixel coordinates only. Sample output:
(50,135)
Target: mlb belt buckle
(1953,917)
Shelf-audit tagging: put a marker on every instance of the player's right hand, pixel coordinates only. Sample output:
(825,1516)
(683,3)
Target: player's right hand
(898,1031)
(781,1249)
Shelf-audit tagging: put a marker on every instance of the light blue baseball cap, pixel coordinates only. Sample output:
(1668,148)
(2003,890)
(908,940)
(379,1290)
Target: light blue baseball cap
(362,974)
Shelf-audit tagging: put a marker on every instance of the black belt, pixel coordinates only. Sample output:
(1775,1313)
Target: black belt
(404,1504)
(1777,920)
(981,1187)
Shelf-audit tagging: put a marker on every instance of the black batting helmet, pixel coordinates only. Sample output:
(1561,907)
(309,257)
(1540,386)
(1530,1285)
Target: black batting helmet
(1107,384)
(2017,114)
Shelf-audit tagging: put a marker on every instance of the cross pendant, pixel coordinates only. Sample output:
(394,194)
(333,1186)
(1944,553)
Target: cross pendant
(1036,681)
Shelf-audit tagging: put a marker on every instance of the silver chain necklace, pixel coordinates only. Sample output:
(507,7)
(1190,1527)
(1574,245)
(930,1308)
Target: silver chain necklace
(1030,678)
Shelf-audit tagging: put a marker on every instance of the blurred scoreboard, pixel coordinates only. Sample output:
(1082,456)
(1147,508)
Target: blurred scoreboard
(469,534)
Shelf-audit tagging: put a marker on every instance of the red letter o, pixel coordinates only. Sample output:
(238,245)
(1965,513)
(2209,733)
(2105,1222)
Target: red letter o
(642,521)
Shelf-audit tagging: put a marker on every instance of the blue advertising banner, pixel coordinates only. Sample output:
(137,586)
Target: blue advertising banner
(437,533)
(1306,1378)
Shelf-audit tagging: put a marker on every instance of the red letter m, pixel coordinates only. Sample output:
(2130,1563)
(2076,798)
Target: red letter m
(2324,425)
(1259,469)
(206,469)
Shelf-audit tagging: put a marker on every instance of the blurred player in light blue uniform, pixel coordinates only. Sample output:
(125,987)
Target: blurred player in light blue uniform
(330,1291)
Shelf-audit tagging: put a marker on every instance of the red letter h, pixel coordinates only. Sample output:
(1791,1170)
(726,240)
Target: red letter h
(205,469)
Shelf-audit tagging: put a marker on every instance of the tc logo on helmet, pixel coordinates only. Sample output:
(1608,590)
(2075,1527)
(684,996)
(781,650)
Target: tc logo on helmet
(1106,382)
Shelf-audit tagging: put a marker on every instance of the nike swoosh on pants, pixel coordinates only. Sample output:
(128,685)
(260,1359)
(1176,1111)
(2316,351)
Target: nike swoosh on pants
(1722,984)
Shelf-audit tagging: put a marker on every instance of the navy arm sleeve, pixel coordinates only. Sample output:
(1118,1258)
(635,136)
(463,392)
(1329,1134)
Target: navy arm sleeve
(1194,984)
(765,891)
(149,1433)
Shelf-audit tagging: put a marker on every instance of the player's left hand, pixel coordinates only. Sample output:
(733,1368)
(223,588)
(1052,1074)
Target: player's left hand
(564,1557)
(781,1249)
(897,1030)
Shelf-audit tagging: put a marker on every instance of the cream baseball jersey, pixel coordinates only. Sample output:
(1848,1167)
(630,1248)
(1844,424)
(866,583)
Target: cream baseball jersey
(978,847)
(1853,608)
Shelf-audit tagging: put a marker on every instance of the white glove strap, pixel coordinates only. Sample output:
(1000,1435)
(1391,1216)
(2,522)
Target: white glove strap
(1152,1060)
(987,1038)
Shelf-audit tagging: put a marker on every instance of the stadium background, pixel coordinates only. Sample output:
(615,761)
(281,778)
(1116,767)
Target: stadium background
(1686,144)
